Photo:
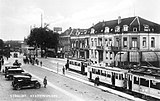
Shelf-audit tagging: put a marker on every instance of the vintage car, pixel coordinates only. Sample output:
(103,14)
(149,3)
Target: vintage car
(9,67)
(16,63)
(12,72)
(21,81)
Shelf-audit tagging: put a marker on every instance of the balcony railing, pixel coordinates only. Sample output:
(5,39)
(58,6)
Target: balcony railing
(113,48)
(99,47)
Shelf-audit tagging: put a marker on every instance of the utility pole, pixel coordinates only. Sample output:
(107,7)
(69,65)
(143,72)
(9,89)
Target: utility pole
(41,20)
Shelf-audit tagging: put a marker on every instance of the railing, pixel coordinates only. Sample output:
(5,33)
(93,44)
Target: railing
(99,47)
(113,48)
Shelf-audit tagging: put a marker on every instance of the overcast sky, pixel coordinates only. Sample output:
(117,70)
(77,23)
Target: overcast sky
(16,16)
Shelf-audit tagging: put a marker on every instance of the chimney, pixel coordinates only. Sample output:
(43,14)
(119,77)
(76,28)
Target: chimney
(119,19)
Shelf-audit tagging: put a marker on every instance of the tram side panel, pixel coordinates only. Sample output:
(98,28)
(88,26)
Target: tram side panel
(146,86)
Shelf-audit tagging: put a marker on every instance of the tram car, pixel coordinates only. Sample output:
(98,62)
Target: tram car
(79,65)
(108,75)
(145,81)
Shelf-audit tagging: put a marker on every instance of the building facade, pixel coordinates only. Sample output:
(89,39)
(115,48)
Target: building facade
(118,42)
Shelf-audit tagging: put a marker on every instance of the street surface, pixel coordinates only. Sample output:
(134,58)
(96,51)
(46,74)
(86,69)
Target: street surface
(59,88)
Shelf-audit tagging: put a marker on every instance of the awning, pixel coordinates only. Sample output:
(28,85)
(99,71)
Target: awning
(149,56)
(122,56)
(134,56)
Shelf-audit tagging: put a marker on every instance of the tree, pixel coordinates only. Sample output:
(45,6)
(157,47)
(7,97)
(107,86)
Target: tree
(1,43)
(1,46)
(43,38)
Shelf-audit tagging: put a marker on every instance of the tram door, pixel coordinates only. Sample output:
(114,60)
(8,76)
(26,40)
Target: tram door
(82,68)
(113,79)
(90,75)
(130,82)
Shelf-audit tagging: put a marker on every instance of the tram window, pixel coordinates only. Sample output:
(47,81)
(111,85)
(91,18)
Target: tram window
(93,71)
(116,75)
(78,64)
(108,75)
(103,73)
(144,82)
(155,85)
(121,77)
(98,72)
(136,80)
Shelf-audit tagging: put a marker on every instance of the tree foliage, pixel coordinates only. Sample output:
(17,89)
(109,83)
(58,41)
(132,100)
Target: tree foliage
(43,38)
(1,43)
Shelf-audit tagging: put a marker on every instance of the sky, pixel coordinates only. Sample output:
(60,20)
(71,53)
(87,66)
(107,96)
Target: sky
(17,17)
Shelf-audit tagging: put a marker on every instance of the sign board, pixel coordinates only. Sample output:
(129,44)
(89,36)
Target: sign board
(57,29)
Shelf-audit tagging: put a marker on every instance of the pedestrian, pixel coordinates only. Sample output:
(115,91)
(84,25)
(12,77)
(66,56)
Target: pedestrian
(63,69)
(67,65)
(96,83)
(41,63)
(45,81)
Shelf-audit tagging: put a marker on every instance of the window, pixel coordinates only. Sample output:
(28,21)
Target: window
(146,28)
(95,40)
(111,55)
(92,42)
(98,71)
(155,85)
(92,31)
(144,42)
(136,80)
(93,71)
(144,82)
(95,54)
(134,29)
(117,29)
(121,77)
(134,42)
(125,28)
(103,73)
(152,42)
(124,42)
(109,75)
(106,55)
(116,75)
(106,42)
(117,42)
(106,30)
(110,42)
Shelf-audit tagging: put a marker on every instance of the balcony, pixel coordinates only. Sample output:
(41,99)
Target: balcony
(113,48)
(99,47)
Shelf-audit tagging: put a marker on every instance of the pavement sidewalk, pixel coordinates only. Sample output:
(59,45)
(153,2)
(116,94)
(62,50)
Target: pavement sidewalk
(84,79)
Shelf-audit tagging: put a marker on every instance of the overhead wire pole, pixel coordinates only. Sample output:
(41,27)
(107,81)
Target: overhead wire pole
(41,20)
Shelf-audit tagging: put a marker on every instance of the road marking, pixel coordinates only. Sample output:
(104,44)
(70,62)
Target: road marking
(58,88)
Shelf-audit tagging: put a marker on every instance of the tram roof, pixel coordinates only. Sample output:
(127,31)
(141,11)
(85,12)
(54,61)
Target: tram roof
(147,71)
(109,68)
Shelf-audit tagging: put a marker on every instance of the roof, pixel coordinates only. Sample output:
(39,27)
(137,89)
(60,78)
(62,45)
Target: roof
(130,21)
(21,76)
(108,68)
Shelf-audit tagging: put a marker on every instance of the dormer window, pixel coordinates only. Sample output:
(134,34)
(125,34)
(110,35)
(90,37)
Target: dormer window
(117,29)
(146,28)
(92,31)
(125,28)
(134,29)
(106,30)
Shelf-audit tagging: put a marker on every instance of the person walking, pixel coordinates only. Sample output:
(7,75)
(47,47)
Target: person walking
(45,81)
(41,63)
(63,69)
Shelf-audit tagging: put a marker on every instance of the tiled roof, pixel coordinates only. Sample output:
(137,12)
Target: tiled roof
(130,21)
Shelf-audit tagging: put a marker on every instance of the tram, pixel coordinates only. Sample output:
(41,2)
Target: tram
(79,65)
(145,81)
(108,75)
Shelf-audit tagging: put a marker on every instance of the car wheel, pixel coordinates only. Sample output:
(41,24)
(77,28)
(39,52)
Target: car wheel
(17,87)
(37,85)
